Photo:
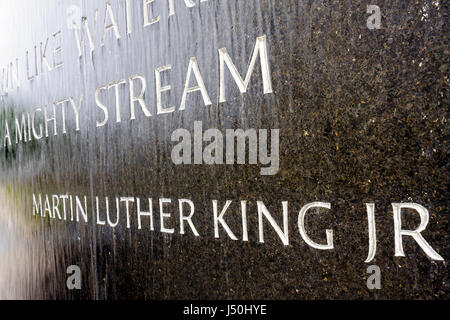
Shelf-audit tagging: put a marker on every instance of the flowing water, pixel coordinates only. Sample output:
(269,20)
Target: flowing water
(361,119)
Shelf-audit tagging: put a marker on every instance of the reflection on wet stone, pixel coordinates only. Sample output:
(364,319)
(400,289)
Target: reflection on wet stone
(259,149)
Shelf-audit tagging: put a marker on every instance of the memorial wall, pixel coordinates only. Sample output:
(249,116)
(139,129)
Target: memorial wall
(224,149)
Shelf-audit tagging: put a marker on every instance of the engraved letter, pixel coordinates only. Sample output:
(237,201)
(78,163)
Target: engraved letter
(76,110)
(99,221)
(139,98)
(164,215)
(399,233)
(113,225)
(193,66)
(261,49)
(44,58)
(47,120)
(160,89)
(79,208)
(372,231)
(113,25)
(36,136)
(284,235)
(142,213)
(7,135)
(56,51)
(301,226)
(101,106)
(116,91)
(21,128)
(37,206)
(91,37)
(147,22)
(187,218)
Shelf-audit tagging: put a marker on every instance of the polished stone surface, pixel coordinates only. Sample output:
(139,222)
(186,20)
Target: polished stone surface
(362,118)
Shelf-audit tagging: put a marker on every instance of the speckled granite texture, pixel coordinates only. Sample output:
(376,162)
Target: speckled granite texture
(362,117)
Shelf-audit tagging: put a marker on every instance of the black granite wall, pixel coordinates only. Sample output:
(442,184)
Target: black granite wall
(362,116)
